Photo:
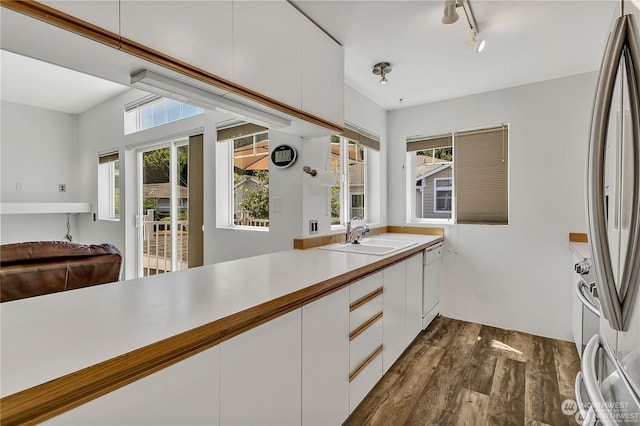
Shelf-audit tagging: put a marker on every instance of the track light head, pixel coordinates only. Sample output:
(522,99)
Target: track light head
(382,69)
(476,44)
(450,14)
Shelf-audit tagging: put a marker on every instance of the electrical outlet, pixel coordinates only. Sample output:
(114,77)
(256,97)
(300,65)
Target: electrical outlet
(313,226)
(18,186)
(62,187)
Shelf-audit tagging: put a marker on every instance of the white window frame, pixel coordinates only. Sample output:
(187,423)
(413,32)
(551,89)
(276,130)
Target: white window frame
(436,189)
(107,174)
(410,195)
(343,178)
(133,113)
(231,191)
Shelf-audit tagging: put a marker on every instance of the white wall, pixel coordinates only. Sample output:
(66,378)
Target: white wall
(36,151)
(514,276)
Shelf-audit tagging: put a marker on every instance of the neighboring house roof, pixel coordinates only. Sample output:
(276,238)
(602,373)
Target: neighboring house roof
(244,179)
(162,190)
(426,163)
(433,171)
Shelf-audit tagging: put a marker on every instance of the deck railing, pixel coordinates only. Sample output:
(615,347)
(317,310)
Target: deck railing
(156,247)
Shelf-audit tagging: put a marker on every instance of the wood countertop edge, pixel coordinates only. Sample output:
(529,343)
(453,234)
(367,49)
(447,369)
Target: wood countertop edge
(47,400)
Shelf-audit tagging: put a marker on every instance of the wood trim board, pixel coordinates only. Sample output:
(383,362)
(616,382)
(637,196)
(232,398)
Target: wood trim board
(575,237)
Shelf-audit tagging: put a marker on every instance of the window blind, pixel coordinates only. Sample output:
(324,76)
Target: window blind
(481,176)
(420,143)
(361,136)
(108,157)
(239,131)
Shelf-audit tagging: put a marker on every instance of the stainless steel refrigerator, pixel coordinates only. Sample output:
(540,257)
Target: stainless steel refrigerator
(608,386)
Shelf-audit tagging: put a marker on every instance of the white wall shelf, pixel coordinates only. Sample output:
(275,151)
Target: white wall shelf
(44,208)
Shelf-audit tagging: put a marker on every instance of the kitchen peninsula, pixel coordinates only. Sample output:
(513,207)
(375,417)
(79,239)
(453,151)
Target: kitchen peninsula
(62,350)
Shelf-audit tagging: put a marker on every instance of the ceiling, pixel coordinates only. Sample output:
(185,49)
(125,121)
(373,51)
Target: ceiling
(527,41)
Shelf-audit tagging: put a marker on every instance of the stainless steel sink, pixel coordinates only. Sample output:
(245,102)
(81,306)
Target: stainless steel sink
(374,246)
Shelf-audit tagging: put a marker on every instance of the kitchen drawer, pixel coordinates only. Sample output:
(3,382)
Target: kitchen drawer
(433,253)
(364,312)
(366,285)
(364,344)
(366,379)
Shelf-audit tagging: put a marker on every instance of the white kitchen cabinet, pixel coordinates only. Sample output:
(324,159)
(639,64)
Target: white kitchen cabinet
(102,13)
(364,382)
(394,306)
(260,374)
(322,75)
(431,284)
(186,393)
(413,289)
(267,48)
(325,360)
(196,32)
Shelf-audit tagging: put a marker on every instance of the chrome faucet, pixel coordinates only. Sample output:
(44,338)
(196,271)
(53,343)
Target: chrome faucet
(359,231)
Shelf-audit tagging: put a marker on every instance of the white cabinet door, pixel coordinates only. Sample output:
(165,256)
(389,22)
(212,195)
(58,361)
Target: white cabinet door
(196,32)
(322,75)
(393,320)
(413,315)
(102,13)
(325,360)
(267,48)
(260,374)
(186,393)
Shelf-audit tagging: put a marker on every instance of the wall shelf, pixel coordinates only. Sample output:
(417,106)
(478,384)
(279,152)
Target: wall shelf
(44,208)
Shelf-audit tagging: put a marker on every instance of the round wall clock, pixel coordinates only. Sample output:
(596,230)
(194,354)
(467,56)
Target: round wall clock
(283,156)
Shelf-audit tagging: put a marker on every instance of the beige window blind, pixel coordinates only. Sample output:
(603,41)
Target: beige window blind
(432,142)
(109,157)
(361,136)
(239,131)
(481,176)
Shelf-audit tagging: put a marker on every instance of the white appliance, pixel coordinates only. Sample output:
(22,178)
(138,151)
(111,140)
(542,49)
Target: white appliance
(586,306)
(431,284)
(608,388)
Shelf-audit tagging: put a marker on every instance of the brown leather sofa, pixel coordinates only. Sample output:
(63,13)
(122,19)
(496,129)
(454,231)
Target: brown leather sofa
(37,268)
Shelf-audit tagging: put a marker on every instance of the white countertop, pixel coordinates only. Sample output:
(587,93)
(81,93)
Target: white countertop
(581,250)
(46,337)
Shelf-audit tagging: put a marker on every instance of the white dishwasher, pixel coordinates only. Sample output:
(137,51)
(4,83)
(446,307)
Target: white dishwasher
(431,284)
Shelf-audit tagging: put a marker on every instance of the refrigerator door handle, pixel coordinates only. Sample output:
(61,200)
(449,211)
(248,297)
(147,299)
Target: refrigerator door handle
(631,277)
(586,302)
(586,410)
(621,42)
(589,376)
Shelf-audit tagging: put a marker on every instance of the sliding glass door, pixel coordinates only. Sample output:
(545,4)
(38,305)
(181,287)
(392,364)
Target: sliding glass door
(163,218)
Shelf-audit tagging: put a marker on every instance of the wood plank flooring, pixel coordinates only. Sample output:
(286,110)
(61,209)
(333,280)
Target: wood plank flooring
(462,373)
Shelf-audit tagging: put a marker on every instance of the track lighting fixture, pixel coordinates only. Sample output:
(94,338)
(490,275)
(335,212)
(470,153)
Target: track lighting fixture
(451,16)
(382,69)
(475,44)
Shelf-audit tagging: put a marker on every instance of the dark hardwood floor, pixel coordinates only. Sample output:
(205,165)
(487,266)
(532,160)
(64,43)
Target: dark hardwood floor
(462,373)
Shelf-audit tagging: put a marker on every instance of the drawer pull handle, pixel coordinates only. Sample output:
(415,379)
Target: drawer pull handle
(364,299)
(364,363)
(362,327)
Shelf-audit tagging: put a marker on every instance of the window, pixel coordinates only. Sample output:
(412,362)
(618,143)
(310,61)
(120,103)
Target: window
(152,111)
(348,160)
(442,195)
(249,146)
(460,177)
(109,186)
